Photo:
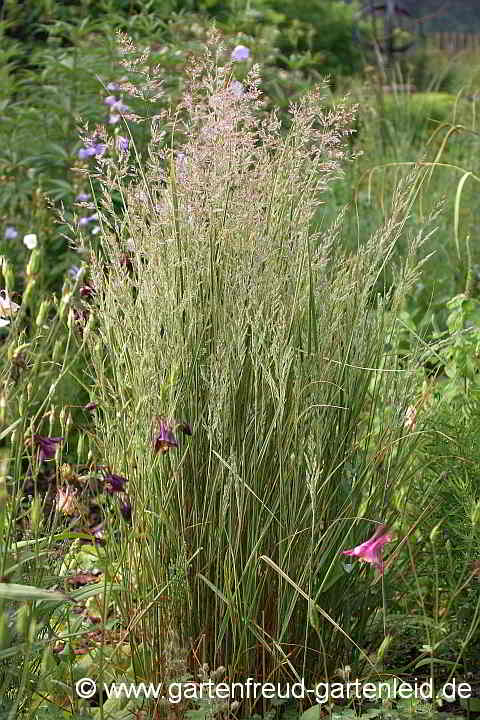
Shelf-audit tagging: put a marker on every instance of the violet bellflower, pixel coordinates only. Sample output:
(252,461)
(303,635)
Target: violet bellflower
(371,550)
(240,53)
(10,233)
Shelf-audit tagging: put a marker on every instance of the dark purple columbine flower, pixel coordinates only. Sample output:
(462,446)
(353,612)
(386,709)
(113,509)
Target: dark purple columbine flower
(163,437)
(126,510)
(83,197)
(114,483)
(87,292)
(46,446)
(185,428)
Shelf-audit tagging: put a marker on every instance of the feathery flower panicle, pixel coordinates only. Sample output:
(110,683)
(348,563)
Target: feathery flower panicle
(371,550)
(410,422)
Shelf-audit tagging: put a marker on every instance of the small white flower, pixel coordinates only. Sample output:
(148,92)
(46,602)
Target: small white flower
(7,306)
(96,230)
(30,241)
(4,323)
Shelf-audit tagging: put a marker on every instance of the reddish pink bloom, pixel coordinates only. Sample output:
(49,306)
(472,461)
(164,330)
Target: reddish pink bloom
(371,550)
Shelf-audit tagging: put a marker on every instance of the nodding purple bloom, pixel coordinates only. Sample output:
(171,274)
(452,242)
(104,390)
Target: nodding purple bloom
(91,406)
(126,510)
(122,143)
(74,271)
(110,100)
(83,197)
(84,221)
(163,437)
(240,53)
(370,550)
(185,428)
(46,446)
(113,119)
(114,483)
(87,292)
(112,86)
(10,233)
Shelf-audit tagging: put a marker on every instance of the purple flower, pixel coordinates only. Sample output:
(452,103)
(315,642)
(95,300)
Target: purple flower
(46,446)
(73,272)
(113,86)
(122,143)
(83,197)
(114,483)
(87,152)
(91,150)
(163,437)
(84,221)
(119,106)
(113,119)
(240,53)
(370,550)
(91,406)
(185,428)
(99,148)
(126,510)
(10,233)
(110,100)
(87,292)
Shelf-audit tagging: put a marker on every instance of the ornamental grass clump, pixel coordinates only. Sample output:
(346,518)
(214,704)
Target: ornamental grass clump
(267,340)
